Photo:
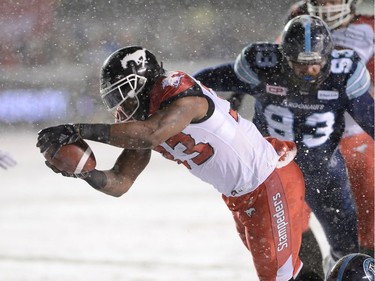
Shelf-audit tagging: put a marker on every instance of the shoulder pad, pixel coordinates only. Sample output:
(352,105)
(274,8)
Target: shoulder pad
(344,61)
(257,62)
(264,59)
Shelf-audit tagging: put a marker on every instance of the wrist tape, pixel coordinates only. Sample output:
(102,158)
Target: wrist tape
(95,132)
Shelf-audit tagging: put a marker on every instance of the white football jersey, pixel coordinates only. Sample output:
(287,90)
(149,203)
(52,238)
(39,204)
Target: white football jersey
(224,150)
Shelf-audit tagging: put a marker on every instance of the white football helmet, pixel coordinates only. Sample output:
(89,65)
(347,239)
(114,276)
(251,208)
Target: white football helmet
(333,14)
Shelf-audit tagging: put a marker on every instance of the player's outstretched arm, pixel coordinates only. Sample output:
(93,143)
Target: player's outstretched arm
(137,138)
(117,180)
(121,177)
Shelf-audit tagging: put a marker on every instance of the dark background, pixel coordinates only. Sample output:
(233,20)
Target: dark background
(51,51)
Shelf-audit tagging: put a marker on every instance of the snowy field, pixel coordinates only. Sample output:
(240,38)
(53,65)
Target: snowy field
(169,226)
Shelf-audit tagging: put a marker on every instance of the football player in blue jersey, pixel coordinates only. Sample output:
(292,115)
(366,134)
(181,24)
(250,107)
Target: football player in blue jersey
(302,89)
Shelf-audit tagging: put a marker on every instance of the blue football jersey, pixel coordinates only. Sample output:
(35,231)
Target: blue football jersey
(314,119)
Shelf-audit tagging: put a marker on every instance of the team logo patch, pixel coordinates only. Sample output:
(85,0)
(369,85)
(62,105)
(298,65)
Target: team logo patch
(250,211)
(328,95)
(139,58)
(276,90)
(173,81)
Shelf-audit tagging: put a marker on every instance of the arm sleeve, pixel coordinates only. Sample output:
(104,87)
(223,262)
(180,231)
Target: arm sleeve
(362,110)
(222,78)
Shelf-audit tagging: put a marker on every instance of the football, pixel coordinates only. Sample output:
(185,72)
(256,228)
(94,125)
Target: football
(74,158)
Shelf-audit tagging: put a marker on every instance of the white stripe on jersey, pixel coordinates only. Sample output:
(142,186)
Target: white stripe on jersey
(359,82)
(244,72)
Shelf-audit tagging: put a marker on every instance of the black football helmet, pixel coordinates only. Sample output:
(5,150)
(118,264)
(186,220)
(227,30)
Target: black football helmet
(128,74)
(307,40)
(334,15)
(353,267)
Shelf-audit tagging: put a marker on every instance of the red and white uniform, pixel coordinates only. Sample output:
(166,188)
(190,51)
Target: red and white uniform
(359,36)
(229,153)
(356,146)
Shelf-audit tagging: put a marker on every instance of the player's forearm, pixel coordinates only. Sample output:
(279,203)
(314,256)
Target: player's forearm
(97,179)
(107,183)
(120,135)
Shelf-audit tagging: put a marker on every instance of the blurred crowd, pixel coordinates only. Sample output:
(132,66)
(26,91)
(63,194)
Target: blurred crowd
(61,44)
(39,32)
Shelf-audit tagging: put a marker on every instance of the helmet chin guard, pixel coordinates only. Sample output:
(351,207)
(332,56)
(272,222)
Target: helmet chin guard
(128,87)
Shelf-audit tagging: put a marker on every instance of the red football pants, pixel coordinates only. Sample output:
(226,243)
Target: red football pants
(269,221)
(358,152)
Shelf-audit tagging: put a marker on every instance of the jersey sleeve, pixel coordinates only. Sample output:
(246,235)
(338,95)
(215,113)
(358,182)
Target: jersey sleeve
(362,111)
(258,62)
(359,81)
(243,67)
(174,85)
(361,104)
(222,78)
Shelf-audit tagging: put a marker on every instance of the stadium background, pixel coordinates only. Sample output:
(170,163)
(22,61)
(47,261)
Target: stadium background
(170,226)
(51,51)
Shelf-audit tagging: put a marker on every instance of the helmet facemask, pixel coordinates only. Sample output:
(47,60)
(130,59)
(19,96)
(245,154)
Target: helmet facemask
(305,81)
(127,78)
(126,88)
(307,41)
(334,15)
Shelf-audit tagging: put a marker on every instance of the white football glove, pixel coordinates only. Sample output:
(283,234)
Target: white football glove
(287,151)
(6,161)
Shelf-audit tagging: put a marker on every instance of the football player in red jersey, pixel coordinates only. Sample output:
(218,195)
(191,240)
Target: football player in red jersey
(351,30)
(172,113)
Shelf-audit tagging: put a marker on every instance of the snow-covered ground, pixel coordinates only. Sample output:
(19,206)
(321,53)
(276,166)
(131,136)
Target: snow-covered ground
(169,226)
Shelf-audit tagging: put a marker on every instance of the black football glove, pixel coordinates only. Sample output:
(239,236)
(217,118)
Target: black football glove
(66,174)
(56,137)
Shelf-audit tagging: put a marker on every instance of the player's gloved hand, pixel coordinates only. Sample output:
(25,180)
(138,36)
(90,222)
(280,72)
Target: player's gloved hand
(57,136)
(287,150)
(66,174)
(6,161)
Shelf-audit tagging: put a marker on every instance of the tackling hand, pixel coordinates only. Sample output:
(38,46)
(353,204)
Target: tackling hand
(287,150)
(57,136)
